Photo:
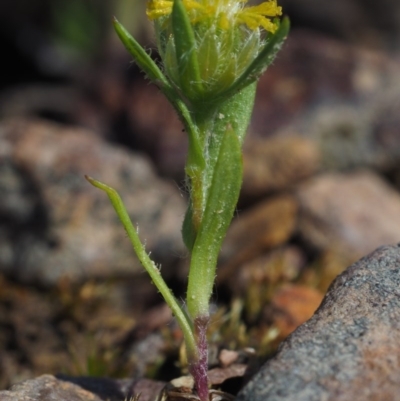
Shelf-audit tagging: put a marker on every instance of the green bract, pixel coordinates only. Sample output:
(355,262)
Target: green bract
(203,60)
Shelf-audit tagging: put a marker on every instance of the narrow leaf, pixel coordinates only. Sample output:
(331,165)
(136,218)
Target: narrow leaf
(181,316)
(140,56)
(154,73)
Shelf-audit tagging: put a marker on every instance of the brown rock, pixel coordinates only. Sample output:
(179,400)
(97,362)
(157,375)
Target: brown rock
(227,357)
(117,390)
(275,164)
(291,306)
(171,393)
(265,226)
(58,225)
(49,388)
(157,128)
(256,280)
(217,376)
(355,212)
(349,350)
(374,26)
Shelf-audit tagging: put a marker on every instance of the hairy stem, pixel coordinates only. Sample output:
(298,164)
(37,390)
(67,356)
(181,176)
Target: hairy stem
(198,368)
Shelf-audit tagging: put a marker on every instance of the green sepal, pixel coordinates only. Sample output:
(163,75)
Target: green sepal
(218,213)
(186,55)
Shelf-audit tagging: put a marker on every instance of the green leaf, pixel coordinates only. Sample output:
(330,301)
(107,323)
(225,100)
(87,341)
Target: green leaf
(181,316)
(220,206)
(185,47)
(142,59)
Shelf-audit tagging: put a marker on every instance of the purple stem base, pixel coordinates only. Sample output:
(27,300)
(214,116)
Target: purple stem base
(198,369)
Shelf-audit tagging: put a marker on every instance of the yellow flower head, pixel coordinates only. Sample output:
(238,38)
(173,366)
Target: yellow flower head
(225,38)
(226,12)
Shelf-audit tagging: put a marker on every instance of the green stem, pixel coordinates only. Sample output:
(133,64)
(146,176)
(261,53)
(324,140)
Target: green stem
(154,273)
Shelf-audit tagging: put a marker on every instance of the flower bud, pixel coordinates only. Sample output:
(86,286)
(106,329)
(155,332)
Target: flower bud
(221,40)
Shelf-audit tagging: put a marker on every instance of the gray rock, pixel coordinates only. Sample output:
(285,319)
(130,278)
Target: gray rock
(64,388)
(47,388)
(354,212)
(349,350)
(358,135)
(343,98)
(354,121)
(57,225)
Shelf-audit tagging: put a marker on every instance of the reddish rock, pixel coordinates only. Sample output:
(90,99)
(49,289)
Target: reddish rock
(349,349)
(291,306)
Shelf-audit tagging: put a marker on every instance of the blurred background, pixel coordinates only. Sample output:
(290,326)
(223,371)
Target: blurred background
(321,184)
(63,62)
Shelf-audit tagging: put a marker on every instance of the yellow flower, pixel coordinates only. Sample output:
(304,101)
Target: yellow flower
(221,40)
(226,12)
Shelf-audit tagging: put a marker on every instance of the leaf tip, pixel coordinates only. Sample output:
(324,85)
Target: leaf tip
(91,180)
